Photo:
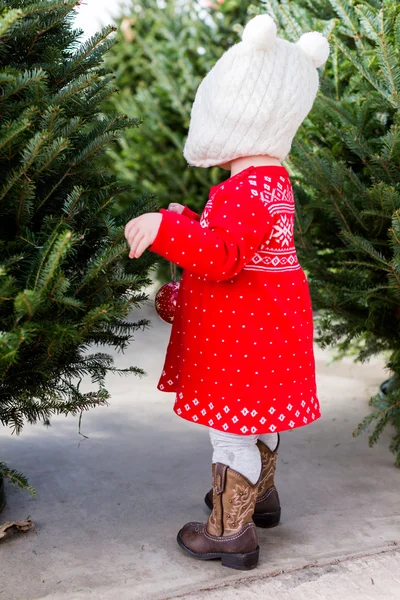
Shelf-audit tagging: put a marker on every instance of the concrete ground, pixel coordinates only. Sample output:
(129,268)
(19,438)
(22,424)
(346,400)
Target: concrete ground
(108,508)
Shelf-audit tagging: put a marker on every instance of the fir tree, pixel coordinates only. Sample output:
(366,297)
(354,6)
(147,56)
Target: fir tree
(66,284)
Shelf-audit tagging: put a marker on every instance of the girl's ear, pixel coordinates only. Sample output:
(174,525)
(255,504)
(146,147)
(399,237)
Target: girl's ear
(260,32)
(315,46)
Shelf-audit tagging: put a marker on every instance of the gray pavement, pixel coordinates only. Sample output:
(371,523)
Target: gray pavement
(108,507)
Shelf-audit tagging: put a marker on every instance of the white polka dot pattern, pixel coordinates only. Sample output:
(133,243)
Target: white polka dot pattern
(240,357)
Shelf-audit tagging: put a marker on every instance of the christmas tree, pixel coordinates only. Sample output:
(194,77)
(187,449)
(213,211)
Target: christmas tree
(346,165)
(66,284)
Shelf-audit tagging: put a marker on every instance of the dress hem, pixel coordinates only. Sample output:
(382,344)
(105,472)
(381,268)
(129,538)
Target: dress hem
(237,431)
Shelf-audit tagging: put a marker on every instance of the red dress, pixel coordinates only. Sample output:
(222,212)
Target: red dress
(240,358)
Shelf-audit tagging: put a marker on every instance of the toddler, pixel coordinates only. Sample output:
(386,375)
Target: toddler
(240,358)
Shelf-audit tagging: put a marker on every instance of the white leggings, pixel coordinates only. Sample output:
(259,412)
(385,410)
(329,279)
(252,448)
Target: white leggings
(239,452)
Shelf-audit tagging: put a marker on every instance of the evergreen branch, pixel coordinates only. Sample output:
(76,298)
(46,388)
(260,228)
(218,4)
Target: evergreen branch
(25,204)
(365,246)
(286,17)
(14,176)
(8,19)
(102,262)
(384,410)
(16,478)
(338,108)
(54,187)
(376,28)
(12,129)
(86,50)
(57,147)
(67,301)
(70,128)
(167,83)
(24,80)
(72,201)
(32,150)
(26,304)
(375,82)
(47,6)
(80,84)
(94,147)
(43,257)
(347,15)
(100,97)
(53,404)
(49,267)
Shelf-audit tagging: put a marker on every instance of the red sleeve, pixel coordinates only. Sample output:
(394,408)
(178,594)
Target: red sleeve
(190,214)
(219,252)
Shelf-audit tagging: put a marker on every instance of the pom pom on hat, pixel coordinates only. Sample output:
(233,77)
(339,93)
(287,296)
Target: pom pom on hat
(260,32)
(315,46)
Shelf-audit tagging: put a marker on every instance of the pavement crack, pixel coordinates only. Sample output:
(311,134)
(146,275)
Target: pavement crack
(394,548)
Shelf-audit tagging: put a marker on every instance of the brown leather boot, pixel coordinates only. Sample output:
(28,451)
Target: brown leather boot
(229,533)
(268,509)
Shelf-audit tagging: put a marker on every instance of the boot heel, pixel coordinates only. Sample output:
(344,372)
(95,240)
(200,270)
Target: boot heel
(242,562)
(267,520)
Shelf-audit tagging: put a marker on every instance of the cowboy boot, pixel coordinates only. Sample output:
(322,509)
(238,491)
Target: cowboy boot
(268,510)
(229,533)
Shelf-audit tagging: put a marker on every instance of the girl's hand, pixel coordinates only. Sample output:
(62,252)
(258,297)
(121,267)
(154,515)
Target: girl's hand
(176,208)
(141,232)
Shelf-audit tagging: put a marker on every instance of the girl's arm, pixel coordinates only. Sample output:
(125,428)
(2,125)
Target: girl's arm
(220,251)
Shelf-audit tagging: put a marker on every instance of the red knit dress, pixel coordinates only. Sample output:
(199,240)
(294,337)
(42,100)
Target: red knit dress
(240,358)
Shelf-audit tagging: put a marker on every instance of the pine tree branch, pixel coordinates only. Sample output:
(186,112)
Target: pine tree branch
(16,478)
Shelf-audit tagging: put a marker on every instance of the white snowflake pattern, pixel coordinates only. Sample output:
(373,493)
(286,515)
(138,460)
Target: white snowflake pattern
(284,230)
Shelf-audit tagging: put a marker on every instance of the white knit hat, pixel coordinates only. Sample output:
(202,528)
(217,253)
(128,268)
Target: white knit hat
(256,96)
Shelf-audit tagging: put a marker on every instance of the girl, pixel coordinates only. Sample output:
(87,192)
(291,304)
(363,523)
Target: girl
(240,359)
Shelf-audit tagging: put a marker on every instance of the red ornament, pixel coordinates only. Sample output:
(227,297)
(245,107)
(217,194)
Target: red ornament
(166,300)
